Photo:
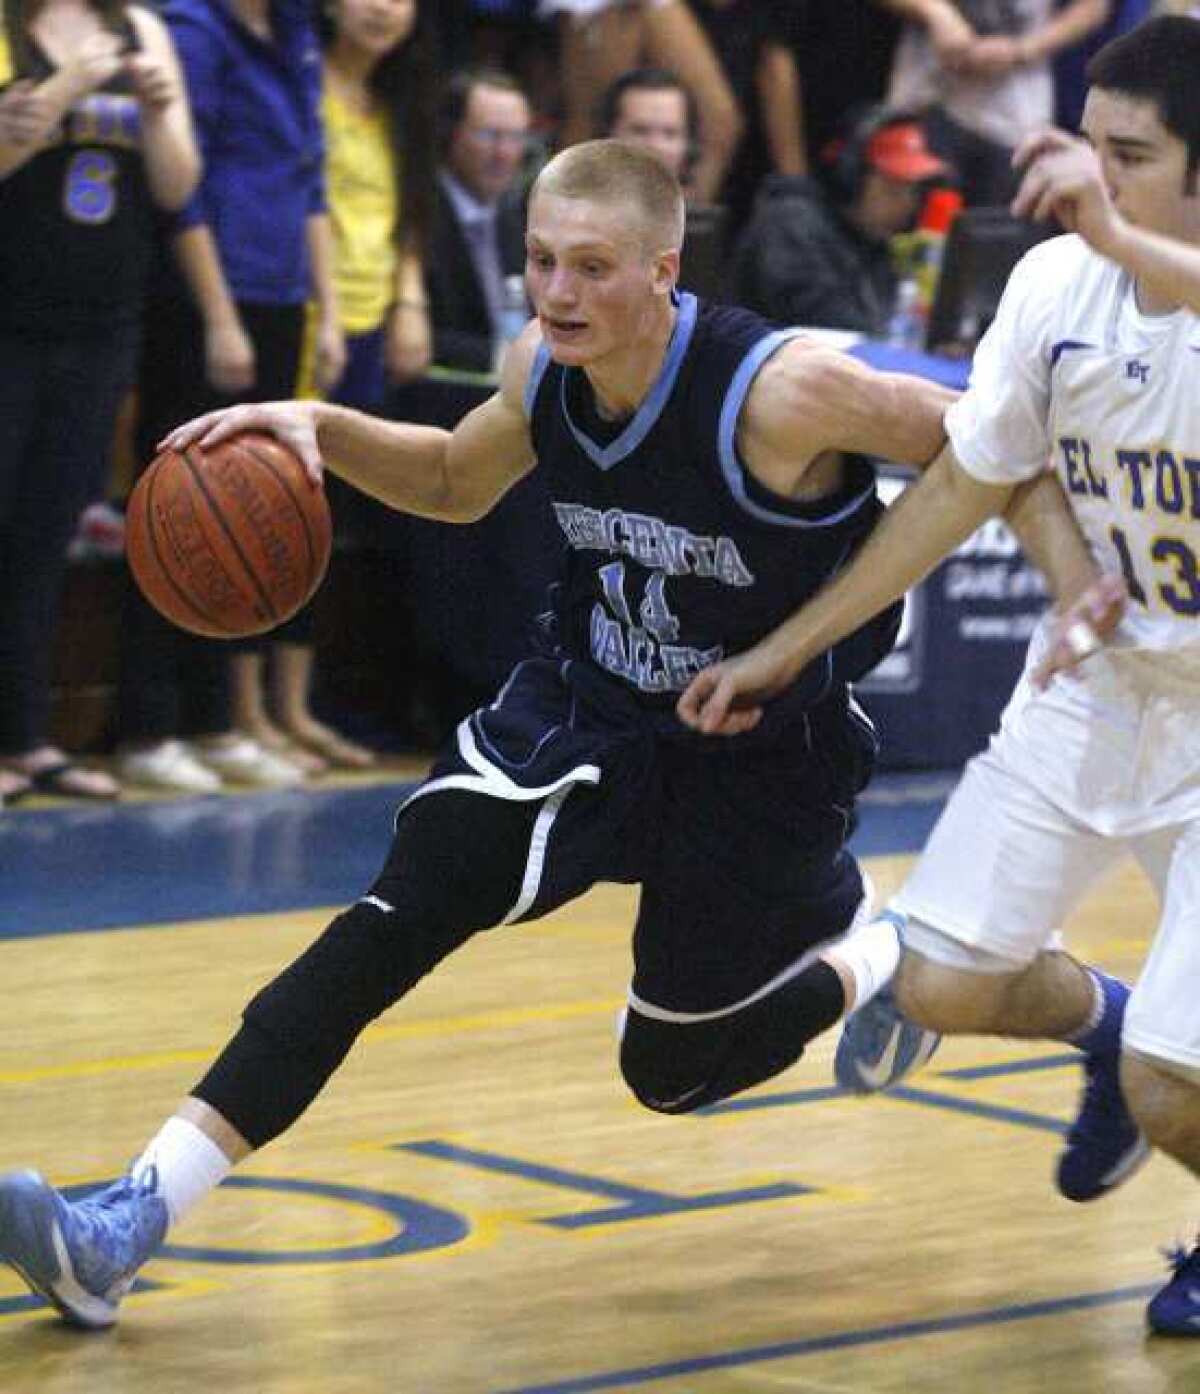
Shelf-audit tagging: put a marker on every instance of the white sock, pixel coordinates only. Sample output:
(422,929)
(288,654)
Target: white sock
(871,954)
(189,1165)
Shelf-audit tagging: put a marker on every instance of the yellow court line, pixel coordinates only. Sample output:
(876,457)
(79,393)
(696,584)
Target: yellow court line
(486,1021)
(442,1026)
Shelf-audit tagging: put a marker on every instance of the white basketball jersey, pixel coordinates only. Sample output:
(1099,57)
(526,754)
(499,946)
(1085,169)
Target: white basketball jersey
(1073,372)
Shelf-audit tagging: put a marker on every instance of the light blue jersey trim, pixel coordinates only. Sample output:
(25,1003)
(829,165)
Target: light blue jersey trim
(541,361)
(651,409)
(731,466)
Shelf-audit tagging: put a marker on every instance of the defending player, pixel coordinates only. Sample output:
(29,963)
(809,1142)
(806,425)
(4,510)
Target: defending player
(708,474)
(1094,360)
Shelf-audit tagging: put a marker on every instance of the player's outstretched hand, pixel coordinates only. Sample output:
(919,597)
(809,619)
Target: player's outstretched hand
(294,423)
(1083,628)
(727,698)
(1063,179)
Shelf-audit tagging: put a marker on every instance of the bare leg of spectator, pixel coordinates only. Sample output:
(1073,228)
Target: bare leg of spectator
(248,676)
(291,685)
(595,51)
(674,40)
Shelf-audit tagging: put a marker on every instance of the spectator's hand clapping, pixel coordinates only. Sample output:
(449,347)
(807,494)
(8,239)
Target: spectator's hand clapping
(993,56)
(951,36)
(409,342)
(154,84)
(24,116)
(97,59)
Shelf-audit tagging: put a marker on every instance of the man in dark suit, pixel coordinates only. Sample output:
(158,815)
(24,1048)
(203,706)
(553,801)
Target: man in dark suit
(478,234)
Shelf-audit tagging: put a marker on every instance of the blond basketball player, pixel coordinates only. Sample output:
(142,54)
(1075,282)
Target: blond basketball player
(708,471)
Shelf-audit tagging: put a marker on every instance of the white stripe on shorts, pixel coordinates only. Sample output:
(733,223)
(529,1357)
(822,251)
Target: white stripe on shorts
(809,956)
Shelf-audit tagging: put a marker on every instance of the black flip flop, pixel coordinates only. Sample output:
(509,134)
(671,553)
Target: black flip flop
(22,790)
(60,779)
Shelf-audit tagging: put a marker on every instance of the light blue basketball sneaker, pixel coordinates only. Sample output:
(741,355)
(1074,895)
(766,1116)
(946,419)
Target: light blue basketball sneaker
(82,1255)
(879,1046)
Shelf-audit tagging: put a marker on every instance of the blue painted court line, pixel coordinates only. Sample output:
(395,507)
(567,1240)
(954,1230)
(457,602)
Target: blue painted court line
(636,1202)
(818,1094)
(418,1226)
(840,1340)
(78,869)
(1013,1067)
(997,1113)
(30,1302)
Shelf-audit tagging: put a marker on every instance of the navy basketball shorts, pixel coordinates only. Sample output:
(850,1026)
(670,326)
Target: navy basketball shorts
(739,850)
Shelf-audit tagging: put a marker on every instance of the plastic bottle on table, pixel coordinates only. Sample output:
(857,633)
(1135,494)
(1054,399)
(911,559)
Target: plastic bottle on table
(514,315)
(906,327)
(941,208)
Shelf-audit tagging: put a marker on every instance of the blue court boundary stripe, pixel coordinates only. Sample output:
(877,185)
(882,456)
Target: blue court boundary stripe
(840,1340)
(1013,1067)
(997,1113)
(35,1302)
(140,872)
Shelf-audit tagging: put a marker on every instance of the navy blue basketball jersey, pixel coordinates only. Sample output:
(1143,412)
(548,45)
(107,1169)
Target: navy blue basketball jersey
(676,556)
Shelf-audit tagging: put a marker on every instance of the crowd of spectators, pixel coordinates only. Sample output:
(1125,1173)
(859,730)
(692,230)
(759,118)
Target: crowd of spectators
(270,198)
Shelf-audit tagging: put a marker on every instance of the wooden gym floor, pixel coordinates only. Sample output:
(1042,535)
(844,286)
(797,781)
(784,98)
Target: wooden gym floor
(476,1205)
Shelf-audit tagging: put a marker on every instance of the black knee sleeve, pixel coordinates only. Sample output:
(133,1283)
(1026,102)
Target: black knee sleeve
(297,1030)
(676,1067)
(455,867)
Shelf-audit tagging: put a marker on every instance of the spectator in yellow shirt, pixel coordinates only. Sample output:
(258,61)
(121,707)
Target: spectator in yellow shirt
(377,108)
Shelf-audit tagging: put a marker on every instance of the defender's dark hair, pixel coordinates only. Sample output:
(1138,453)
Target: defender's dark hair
(644,80)
(1159,61)
(403,84)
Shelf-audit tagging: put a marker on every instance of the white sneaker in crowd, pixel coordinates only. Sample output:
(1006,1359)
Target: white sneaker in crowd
(99,532)
(169,766)
(243,761)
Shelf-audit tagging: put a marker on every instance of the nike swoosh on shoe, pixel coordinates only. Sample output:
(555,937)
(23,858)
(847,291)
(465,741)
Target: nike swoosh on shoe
(876,1076)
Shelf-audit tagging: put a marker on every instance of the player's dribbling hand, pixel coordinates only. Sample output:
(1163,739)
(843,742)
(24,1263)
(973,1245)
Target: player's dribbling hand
(294,423)
(1082,629)
(1063,180)
(726,699)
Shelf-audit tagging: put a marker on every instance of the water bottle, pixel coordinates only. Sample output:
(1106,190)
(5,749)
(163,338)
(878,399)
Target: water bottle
(514,315)
(906,328)
(941,208)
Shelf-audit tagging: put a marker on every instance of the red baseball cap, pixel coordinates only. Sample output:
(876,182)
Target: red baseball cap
(900,152)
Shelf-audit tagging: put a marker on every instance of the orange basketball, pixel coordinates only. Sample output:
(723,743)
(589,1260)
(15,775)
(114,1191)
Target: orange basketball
(231,541)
